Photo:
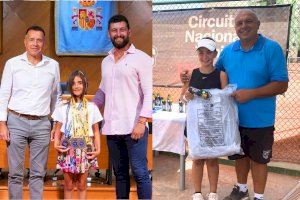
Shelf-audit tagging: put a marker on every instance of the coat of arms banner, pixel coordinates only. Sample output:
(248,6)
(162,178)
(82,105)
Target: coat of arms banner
(81,27)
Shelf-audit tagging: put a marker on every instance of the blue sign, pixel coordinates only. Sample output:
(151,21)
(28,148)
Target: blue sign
(81,27)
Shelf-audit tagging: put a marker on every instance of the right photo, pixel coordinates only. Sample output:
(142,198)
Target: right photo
(226,121)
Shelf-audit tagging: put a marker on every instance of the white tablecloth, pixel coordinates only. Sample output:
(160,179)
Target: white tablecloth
(168,131)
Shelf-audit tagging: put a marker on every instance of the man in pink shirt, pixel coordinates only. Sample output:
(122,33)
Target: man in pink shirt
(125,93)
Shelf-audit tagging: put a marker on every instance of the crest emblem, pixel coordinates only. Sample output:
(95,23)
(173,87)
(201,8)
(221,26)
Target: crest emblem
(86,17)
(266,154)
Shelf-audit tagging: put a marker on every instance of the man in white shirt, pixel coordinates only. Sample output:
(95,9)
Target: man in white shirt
(28,94)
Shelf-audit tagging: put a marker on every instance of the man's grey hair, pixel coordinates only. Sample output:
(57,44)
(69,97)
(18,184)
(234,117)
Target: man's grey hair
(250,11)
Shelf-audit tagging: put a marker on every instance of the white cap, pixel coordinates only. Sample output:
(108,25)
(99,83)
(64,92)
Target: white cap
(207,43)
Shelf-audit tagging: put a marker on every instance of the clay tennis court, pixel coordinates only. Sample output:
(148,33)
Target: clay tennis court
(287,133)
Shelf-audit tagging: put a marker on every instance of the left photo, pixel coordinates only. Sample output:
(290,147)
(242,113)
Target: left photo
(76,100)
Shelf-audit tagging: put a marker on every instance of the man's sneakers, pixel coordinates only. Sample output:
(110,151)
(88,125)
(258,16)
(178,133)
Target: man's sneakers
(236,194)
(212,196)
(197,196)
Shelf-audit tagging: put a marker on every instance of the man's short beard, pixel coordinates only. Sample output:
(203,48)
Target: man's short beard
(122,45)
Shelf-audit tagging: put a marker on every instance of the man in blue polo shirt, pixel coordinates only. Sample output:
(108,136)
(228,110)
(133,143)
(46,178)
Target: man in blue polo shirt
(257,66)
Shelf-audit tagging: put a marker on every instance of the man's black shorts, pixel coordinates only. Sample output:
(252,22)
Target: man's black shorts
(256,143)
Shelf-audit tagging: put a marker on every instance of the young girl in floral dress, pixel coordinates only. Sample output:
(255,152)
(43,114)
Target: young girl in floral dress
(77,137)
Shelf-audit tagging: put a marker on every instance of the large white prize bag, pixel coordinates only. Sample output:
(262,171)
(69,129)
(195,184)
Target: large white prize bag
(212,125)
